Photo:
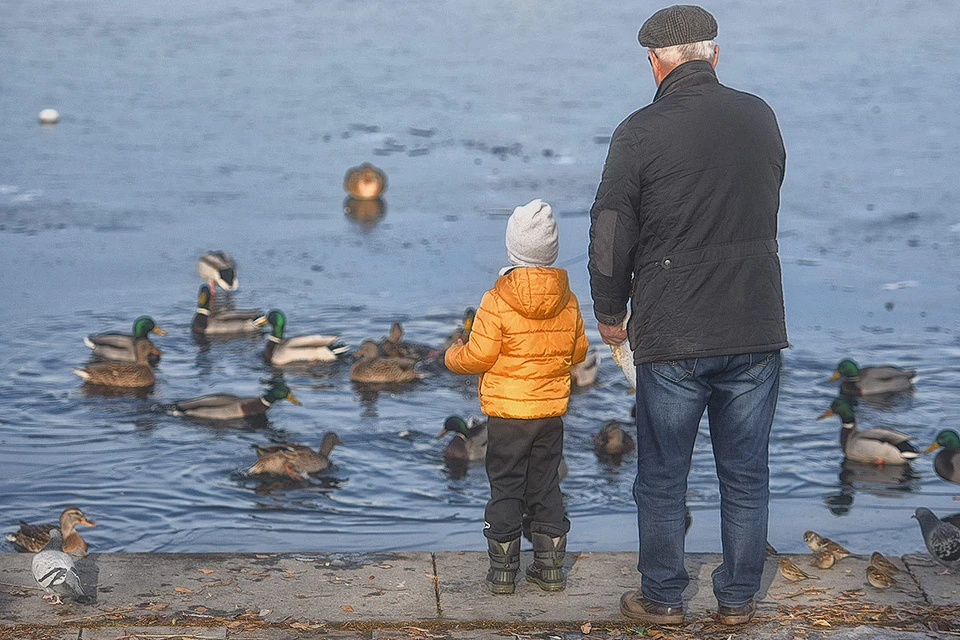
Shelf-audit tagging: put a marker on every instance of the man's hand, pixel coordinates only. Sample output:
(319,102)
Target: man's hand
(612,333)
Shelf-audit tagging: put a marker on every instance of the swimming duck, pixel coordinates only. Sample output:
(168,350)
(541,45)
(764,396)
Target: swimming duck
(372,367)
(463,331)
(123,374)
(55,572)
(872,380)
(947,462)
(217,267)
(224,406)
(584,374)
(118,347)
(313,348)
(31,538)
(469,441)
(394,346)
(613,440)
(880,445)
(365,182)
(206,322)
(294,460)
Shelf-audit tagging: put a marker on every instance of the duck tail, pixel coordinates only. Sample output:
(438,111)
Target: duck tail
(337,350)
(83,374)
(87,341)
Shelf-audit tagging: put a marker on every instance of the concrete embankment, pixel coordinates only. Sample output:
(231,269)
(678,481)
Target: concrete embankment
(435,596)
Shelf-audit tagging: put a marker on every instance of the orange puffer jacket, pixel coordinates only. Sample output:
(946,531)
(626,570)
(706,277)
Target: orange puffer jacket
(527,333)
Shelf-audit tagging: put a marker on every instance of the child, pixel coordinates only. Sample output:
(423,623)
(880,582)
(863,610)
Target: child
(526,334)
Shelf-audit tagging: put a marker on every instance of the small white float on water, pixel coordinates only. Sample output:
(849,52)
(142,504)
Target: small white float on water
(49,116)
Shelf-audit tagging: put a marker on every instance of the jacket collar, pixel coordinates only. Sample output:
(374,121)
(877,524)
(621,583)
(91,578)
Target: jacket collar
(688,74)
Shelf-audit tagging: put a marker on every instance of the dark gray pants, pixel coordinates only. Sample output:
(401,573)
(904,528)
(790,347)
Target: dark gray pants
(523,459)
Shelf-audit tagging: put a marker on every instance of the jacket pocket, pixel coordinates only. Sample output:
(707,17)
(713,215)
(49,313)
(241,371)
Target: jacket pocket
(762,365)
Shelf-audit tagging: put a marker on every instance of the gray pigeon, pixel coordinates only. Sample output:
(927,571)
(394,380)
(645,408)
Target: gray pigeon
(54,571)
(942,538)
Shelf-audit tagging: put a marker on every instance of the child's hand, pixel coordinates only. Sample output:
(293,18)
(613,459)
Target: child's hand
(459,342)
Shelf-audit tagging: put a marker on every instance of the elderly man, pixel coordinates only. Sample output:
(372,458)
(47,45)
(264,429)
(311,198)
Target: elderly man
(684,227)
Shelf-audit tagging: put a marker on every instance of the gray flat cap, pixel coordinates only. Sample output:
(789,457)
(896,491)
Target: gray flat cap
(679,24)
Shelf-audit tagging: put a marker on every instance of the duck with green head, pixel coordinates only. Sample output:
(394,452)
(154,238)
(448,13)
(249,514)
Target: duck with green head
(469,441)
(206,322)
(947,462)
(299,349)
(218,268)
(857,381)
(879,445)
(119,347)
(225,406)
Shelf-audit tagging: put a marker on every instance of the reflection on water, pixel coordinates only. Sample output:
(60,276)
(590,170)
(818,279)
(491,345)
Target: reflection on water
(366,213)
(884,481)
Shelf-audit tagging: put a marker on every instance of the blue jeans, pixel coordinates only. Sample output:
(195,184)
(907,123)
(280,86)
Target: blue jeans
(740,396)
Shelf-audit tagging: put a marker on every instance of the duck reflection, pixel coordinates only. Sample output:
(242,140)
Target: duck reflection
(366,213)
(887,481)
(278,484)
(103,391)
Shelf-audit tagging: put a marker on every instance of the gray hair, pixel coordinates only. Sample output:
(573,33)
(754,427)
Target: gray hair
(678,54)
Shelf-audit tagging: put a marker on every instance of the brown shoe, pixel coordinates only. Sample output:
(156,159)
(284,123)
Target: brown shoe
(634,606)
(737,615)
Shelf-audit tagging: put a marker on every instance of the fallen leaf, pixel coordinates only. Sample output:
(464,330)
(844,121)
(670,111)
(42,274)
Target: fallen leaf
(371,578)
(347,608)
(595,609)
(205,572)
(585,628)
(431,576)
(156,606)
(303,626)
(201,609)
(821,623)
(654,633)
(182,590)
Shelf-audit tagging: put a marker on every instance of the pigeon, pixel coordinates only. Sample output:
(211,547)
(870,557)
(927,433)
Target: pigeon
(878,578)
(942,539)
(880,561)
(792,572)
(824,559)
(54,571)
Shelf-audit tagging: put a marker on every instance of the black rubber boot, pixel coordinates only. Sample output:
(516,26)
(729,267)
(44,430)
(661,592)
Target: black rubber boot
(504,563)
(547,567)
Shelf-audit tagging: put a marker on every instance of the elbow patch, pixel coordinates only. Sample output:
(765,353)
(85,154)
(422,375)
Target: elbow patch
(602,251)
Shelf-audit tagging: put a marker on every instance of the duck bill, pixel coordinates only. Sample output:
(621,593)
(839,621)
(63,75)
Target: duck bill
(88,523)
(835,376)
(292,399)
(933,447)
(442,433)
(825,414)
(262,320)
(160,331)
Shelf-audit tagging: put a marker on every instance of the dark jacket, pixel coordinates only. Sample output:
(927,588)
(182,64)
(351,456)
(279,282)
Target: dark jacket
(685,223)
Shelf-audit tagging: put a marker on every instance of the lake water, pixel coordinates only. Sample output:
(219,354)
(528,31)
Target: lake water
(223,125)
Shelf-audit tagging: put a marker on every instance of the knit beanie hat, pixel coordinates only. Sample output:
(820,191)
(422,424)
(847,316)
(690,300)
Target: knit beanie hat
(532,235)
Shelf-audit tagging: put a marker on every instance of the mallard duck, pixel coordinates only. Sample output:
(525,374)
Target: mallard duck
(123,374)
(206,322)
(584,374)
(947,462)
(372,367)
(365,182)
(294,460)
(872,380)
(217,267)
(469,441)
(394,346)
(880,445)
(314,348)
(119,347)
(613,440)
(54,571)
(462,332)
(31,538)
(224,406)
(941,537)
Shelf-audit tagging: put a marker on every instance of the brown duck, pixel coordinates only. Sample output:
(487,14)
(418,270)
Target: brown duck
(612,440)
(365,182)
(31,538)
(123,374)
(372,367)
(294,460)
